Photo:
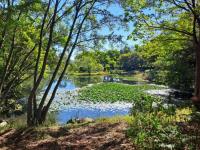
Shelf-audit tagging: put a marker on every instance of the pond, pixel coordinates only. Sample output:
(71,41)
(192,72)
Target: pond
(74,82)
(68,107)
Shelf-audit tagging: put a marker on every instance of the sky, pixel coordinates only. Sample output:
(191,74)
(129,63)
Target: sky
(116,10)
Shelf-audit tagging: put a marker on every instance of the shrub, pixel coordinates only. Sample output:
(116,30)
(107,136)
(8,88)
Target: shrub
(155,131)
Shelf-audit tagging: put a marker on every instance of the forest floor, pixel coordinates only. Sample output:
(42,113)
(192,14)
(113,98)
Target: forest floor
(102,136)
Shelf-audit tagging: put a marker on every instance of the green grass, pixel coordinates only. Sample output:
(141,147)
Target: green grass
(115,119)
(19,122)
(113,92)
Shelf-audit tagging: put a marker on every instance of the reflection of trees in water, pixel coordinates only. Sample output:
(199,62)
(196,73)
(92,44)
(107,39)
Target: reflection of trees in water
(80,81)
(85,80)
(111,79)
(108,79)
(64,83)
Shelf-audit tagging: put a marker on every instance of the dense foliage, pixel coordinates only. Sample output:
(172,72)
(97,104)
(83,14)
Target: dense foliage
(19,33)
(39,37)
(173,20)
(107,61)
(171,63)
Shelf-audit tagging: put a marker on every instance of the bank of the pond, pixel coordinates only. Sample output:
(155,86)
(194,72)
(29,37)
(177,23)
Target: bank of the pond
(78,137)
(150,130)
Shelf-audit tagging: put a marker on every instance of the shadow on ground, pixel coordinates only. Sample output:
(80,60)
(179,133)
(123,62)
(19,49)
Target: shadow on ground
(96,136)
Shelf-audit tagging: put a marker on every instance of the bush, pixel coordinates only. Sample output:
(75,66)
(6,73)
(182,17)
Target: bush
(13,107)
(144,103)
(155,131)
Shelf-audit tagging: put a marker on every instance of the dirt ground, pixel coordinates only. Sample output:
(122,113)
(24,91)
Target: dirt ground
(101,136)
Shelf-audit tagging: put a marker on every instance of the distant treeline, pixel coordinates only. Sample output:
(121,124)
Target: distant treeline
(170,64)
(108,61)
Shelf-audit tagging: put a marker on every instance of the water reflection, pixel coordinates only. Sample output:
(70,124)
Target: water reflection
(81,81)
(73,82)
(68,106)
(90,110)
(111,79)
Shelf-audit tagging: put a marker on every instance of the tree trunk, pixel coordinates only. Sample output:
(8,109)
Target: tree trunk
(59,63)
(43,114)
(31,100)
(196,98)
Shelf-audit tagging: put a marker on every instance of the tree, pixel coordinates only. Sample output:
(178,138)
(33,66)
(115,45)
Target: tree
(175,16)
(86,62)
(102,58)
(82,19)
(131,61)
(16,48)
(167,63)
(96,59)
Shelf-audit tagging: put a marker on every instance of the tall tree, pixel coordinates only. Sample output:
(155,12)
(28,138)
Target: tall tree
(82,18)
(178,16)
(16,46)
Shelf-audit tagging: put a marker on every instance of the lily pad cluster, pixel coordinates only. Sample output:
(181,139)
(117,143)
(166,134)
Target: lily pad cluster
(112,92)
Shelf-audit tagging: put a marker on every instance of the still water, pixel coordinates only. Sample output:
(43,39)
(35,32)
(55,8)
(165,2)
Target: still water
(68,106)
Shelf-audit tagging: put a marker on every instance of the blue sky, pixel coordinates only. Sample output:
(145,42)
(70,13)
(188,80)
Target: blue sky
(117,10)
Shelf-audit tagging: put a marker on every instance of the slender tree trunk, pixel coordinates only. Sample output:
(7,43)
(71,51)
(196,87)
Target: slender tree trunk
(58,64)
(34,101)
(30,115)
(46,108)
(197,75)
(5,26)
(7,65)
(196,39)
(10,55)
(196,98)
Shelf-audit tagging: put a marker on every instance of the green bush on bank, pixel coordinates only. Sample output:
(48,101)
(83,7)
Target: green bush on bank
(149,127)
(152,129)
